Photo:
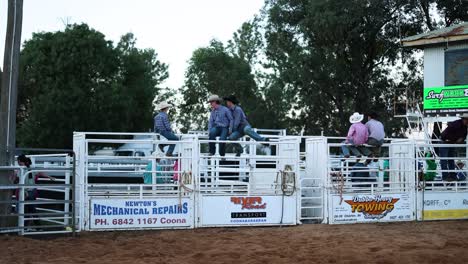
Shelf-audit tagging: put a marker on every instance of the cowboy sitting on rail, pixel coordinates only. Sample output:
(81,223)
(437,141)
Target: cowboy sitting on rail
(376,133)
(241,125)
(220,124)
(357,135)
(163,127)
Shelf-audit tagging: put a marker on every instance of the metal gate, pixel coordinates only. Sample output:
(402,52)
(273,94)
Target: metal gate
(442,198)
(256,188)
(135,189)
(313,199)
(40,197)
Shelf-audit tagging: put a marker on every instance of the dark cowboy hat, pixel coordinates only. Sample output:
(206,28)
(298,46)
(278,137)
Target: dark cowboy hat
(231,98)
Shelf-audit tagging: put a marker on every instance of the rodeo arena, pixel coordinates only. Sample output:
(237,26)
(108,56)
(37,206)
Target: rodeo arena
(143,181)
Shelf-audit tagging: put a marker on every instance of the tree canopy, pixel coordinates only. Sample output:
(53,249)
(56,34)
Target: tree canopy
(314,63)
(212,70)
(76,80)
(304,65)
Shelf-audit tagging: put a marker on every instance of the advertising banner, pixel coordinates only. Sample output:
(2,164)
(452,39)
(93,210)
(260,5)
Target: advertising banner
(445,205)
(145,213)
(248,210)
(362,208)
(446,100)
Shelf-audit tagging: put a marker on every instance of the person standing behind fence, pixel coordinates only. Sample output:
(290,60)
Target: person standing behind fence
(455,133)
(163,127)
(220,124)
(376,134)
(30,193)
(357,135)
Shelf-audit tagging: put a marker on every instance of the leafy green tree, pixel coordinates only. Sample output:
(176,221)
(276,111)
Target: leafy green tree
(212,70)
(248,43)
(141,73)
(76,80)
(335,58)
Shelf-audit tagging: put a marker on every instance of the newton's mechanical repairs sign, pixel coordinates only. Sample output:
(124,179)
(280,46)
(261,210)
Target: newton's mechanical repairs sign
(248,210)
(371,208)
(446,100)
(145,213)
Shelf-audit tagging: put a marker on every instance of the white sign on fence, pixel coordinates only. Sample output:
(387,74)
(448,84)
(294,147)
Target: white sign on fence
(445,205)
(371,208)
(145,213)
(248,210)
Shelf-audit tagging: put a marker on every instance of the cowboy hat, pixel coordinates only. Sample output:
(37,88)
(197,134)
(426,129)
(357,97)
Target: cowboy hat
(356,118)
(163,105)
(460,162)
(464,115)
(231,98)
(214,97)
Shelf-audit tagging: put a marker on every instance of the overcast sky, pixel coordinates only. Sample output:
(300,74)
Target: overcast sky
(174,28)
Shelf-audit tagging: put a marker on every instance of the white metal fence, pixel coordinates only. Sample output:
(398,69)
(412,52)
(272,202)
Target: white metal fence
(134,185)
(40,197)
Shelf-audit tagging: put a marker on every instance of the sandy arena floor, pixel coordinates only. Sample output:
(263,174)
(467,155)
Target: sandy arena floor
(430,242)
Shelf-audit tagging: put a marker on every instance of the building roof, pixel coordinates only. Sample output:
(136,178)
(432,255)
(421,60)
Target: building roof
(458,32)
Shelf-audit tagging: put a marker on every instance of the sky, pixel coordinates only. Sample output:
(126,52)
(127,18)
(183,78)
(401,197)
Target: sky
(174,28)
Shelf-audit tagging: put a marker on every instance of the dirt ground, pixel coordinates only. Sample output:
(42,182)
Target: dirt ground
(430,242)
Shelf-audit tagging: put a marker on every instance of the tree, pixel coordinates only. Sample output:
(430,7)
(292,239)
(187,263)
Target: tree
(213,71)
(76,80)
(141,74)
(248,43)
(338,57)
(448,12)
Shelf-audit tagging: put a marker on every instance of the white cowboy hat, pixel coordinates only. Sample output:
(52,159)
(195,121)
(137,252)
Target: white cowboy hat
(214,97)
(163,105)
(356,118)
(464,115)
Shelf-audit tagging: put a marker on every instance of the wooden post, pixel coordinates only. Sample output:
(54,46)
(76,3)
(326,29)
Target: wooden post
(8,97)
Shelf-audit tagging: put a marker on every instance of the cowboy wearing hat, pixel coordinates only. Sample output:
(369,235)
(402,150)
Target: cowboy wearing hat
(220,124)
(163,127)
(376,133)
(357,135)
(241,125)
(455,133)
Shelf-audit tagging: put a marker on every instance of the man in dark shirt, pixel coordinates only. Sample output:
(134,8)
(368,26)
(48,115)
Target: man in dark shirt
(455,133)
(162,125)
(241,126)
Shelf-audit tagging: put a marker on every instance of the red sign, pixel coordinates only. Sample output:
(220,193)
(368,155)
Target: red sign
(249,203)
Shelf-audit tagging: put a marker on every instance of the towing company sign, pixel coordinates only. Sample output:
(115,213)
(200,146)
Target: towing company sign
(371,208)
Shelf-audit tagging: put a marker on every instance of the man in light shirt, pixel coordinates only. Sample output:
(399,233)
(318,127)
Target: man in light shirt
(357,136)
(220,124)
(376,133)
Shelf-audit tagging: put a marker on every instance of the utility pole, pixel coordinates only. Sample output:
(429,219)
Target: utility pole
(8,98)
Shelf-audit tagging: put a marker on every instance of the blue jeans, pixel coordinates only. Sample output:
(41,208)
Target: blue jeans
(251,133)
(445,152)
(247,130)
(170,136)
(222,133)
(356,150)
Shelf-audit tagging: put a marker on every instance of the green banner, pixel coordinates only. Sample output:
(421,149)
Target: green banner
(446,100)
